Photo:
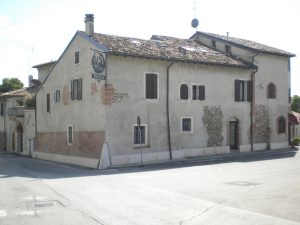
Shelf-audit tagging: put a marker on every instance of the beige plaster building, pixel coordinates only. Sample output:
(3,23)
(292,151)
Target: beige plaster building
(17,117)
(112,100)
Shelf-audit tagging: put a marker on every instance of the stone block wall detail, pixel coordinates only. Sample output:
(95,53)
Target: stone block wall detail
(85,143)
(212,119)
(261,126)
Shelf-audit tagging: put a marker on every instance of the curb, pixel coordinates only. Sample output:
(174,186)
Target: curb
(203,159)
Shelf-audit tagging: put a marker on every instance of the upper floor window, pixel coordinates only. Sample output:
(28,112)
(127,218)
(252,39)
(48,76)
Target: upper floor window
(76,59)
(243,90)
(228,49)
(281,125)
(184,92)
(57,96)
(271,91)
(2,109)
(48,102)
(151,86)
(76,89)
(198,92)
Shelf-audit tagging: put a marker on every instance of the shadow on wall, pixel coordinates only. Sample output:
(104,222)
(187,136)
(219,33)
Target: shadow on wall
(14,165)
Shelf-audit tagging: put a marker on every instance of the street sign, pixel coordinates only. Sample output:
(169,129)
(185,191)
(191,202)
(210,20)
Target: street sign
(99,76)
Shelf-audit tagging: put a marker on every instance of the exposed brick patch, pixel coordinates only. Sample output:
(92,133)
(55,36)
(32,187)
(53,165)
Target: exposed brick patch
(85,143)
(66,95)
(94,88)
(107,94)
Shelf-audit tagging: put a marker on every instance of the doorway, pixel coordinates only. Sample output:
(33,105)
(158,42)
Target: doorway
(233,134)
(19,138)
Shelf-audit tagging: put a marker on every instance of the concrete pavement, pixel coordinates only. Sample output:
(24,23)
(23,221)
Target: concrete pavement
(256,189)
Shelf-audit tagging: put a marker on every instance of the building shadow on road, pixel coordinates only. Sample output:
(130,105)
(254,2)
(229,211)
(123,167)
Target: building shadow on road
(13,165)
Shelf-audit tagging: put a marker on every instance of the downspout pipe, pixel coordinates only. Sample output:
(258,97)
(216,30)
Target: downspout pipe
(168,109)
(252,100)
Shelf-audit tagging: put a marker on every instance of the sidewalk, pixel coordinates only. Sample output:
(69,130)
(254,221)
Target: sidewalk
(208,159)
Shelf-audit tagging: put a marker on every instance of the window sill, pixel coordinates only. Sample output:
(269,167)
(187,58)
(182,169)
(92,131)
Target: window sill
(137,146)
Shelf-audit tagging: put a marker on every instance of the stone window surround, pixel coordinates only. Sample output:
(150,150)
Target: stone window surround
(146,135)
(181,124)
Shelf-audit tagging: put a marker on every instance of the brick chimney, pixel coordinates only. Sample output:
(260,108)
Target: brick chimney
(89,24)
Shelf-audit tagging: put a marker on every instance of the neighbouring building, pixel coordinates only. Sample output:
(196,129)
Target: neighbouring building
(112,100)
(294,122)
(17,115)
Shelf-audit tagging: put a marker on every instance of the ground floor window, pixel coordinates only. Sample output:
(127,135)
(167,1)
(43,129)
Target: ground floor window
(186,125)
(70,135)
(140,134)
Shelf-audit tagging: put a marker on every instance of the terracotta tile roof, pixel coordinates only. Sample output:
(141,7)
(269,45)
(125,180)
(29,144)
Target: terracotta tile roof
(248,44)
(294,118)
(17,93)
(165,48)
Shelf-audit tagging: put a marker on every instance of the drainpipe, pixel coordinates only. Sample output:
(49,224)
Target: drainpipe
(252,100)
(168,111)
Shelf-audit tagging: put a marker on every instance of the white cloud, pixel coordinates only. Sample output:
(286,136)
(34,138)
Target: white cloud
(4,21)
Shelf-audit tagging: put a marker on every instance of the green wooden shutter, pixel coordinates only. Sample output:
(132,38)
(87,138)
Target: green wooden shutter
(237,90)
(201,92)
(249,91)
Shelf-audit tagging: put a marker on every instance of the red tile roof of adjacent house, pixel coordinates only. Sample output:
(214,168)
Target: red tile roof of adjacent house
(247,44)
(17,93)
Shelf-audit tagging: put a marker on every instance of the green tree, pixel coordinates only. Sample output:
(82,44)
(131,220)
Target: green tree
(10,84)
(295,105)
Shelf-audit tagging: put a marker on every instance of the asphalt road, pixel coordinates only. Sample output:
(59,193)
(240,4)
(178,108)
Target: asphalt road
(260,190)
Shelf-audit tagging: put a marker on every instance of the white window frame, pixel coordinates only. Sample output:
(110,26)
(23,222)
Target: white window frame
(148,99)
(68,140)
(181,120)
(146,135)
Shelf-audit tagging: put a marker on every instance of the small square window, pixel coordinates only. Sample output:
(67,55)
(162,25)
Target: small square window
(140,135)
(77,57)
(186,125)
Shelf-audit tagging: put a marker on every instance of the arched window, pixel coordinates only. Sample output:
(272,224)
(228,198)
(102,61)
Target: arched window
(281,125)
(184,92)
(271,91)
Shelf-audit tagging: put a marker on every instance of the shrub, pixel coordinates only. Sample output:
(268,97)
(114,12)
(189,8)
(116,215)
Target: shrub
(296,141)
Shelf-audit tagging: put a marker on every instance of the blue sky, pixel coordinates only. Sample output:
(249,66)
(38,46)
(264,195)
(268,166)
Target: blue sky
(37,31)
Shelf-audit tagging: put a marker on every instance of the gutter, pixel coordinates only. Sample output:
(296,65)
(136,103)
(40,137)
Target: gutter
(252,101)
(168,110)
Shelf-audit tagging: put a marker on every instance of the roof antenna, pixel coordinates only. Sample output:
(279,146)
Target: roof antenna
(195,21)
